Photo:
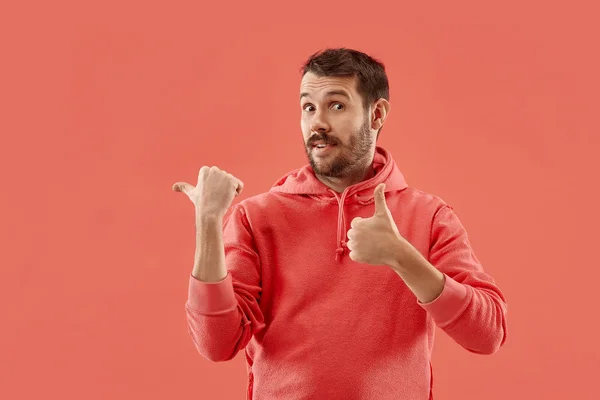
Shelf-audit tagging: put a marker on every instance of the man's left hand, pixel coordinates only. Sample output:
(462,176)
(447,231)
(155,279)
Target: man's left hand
(376,240)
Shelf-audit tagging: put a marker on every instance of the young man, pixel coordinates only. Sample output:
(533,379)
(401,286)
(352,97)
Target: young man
(334,280)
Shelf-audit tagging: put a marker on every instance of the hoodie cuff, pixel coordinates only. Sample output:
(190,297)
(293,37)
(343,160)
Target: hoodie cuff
(450,304)
(211,298)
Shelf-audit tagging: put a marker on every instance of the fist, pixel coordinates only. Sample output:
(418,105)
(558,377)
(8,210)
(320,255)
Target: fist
(375,240)
(214,192)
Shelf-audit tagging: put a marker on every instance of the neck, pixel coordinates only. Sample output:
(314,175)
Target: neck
(339,184)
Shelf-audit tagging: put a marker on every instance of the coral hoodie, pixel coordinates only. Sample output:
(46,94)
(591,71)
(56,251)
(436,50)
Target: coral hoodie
(316,325)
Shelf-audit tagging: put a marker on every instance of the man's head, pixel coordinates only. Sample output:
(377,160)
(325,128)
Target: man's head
(344,99)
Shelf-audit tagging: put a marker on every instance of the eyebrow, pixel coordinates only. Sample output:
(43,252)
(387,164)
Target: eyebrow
(330,93)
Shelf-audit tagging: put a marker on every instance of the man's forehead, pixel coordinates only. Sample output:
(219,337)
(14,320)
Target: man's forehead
(313,84)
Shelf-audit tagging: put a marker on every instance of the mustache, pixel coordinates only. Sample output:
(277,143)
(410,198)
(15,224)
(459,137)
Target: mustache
(323,137)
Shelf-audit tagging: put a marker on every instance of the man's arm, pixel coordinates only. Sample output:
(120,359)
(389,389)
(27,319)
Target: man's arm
(422,278)
(222,307)
(209,259)
(463,300)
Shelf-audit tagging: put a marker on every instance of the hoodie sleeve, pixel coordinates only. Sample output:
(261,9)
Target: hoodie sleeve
(223,316)
(471,309)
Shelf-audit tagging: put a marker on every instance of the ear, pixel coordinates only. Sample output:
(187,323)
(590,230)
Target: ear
(381,109)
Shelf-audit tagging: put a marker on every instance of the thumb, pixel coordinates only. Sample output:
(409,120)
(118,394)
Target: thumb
(380,204)
(183,187)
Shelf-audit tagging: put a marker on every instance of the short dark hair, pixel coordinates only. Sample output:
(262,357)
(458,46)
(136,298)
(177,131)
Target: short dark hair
(372,81)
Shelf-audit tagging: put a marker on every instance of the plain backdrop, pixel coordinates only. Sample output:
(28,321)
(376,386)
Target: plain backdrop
(104,105)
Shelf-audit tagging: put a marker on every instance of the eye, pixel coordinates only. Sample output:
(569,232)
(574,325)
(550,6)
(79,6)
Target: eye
(308,107)
(338,106)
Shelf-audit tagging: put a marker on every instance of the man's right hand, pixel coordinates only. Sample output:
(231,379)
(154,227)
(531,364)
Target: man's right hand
(214,193)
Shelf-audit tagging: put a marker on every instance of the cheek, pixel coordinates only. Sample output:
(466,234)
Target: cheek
(344,129)
(346,124)
(305,127)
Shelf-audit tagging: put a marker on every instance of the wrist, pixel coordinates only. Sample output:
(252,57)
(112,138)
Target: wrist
(204,218)
(402,255)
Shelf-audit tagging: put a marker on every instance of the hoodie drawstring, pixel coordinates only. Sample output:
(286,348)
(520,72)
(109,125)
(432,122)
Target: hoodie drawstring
(341,228)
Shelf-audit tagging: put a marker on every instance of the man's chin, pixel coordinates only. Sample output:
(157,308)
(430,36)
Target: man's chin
(324,169)
(320,167)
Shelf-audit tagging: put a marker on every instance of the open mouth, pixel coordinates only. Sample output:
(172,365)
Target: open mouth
(321,144)
(322,148)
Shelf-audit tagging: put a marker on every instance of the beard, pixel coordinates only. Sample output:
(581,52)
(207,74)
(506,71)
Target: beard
(349,157)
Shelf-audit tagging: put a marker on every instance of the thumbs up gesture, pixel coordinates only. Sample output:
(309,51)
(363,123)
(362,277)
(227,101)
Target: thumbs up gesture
(375,240)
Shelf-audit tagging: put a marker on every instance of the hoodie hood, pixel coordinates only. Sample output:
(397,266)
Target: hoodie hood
(302,181)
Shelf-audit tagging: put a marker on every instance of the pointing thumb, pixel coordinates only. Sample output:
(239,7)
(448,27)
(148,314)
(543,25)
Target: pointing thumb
(183,187)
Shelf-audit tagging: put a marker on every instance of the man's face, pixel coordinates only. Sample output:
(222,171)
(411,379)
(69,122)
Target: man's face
(337,131)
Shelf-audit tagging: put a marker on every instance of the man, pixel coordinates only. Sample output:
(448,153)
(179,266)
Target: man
(334,280)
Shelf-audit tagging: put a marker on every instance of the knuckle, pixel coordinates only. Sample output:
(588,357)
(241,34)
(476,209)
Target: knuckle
(223,175)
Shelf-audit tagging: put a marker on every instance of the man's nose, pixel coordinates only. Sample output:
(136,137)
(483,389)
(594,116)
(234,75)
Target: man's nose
(319,123)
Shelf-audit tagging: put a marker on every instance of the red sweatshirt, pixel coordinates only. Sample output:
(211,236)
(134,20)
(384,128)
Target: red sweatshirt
(316,325)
